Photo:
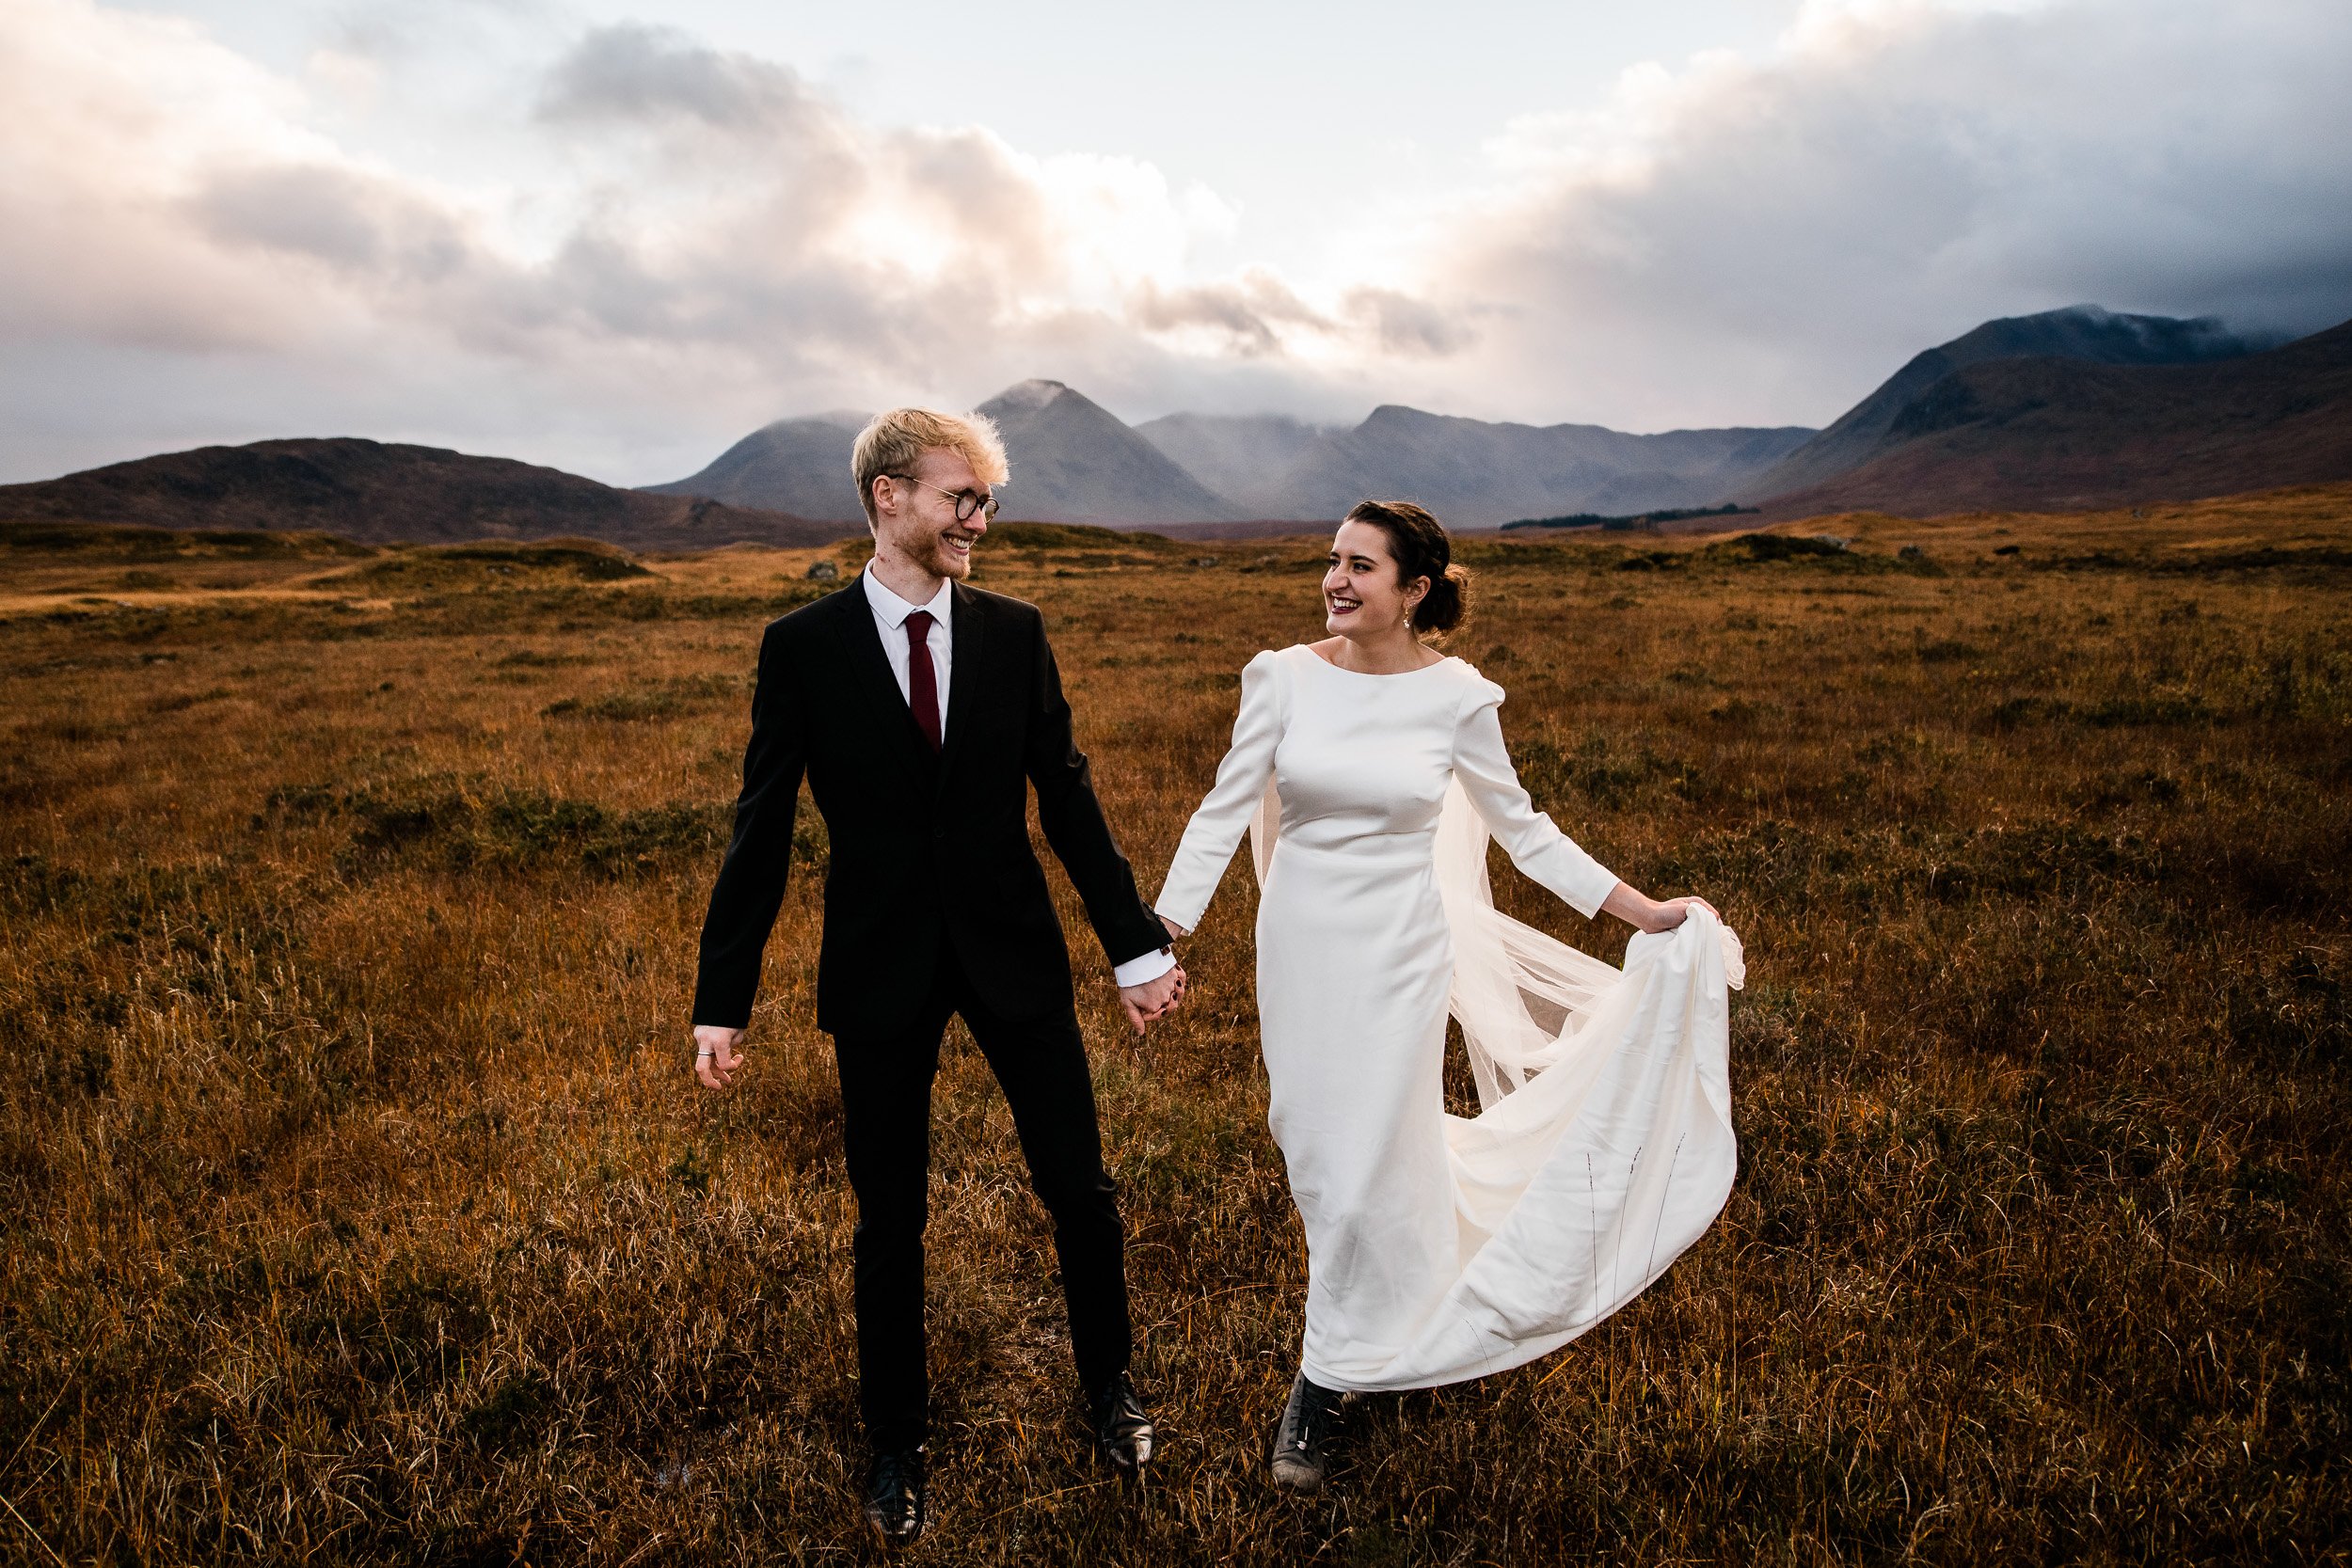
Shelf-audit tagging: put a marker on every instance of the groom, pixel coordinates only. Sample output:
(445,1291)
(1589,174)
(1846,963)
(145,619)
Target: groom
(921,712)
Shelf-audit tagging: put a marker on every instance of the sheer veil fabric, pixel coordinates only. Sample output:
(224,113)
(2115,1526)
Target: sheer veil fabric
(1603,1148)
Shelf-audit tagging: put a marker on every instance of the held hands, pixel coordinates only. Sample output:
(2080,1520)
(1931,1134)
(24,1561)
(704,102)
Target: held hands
(1154,999)
(716,1056)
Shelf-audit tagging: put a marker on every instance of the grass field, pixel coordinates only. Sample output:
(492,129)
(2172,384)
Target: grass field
(359,1207)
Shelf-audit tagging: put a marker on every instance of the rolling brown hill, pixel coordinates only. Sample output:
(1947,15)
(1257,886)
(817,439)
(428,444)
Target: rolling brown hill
(2051,435)
(382,493)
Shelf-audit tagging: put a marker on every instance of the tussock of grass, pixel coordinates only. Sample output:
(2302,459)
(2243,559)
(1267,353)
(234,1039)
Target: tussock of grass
(355,1203)
(129,542)
(488,565)
(472,827)
(667,700)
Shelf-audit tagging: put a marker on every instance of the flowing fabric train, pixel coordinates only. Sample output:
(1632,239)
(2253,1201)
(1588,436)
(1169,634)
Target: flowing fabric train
(1603,1148)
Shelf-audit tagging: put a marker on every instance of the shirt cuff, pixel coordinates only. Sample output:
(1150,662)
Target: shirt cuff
(1144,970)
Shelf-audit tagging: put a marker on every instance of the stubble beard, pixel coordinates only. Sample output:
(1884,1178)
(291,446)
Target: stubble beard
(955,565)
(928,552)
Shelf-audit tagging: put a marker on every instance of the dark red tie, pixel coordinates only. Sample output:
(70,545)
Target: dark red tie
(922,680)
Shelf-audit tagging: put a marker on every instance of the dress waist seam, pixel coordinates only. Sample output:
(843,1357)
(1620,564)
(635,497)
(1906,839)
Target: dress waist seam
(1385,850)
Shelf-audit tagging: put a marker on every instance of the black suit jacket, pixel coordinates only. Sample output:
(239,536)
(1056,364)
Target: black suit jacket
(927,848)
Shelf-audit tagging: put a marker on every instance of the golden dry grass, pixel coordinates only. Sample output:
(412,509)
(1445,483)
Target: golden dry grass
(358,1208)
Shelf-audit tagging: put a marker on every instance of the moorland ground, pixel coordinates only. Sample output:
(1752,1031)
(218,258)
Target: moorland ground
(357,1204)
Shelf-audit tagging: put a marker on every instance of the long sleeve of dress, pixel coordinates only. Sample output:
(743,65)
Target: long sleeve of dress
(1216,829)
(1536,844)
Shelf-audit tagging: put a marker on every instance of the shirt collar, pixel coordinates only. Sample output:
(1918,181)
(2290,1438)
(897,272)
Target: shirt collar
(894,610)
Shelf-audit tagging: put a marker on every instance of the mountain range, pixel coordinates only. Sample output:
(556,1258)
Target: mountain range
(1965,423)
(1075,462)
(2066,409)
(1474,473)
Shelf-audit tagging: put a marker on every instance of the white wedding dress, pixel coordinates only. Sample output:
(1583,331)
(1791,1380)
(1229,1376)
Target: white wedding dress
(1442,1247)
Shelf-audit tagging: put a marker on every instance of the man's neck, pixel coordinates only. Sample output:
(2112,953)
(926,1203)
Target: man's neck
(905,578)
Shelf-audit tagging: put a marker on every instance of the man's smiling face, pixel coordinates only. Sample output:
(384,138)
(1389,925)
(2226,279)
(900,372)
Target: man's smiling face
(919,522)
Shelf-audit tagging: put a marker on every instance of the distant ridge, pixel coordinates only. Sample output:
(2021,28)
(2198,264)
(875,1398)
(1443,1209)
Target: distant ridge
(2086,333)
(2053,434)
(798,466)
(1621,522)
(1476,474)
(377,492)
(1074,462)
(1240,456)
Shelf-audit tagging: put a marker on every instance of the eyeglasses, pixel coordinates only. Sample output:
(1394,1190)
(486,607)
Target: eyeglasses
(967,501)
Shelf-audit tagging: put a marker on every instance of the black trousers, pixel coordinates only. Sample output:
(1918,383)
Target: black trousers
(886,1120)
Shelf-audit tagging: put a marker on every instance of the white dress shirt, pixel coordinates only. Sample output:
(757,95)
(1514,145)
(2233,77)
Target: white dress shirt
(890,620)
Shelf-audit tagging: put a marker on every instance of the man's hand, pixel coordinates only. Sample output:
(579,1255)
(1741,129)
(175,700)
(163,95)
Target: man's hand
(715,1054)
(1154,999)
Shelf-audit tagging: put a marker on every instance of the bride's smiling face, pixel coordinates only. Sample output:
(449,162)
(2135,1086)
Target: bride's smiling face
(1361,596)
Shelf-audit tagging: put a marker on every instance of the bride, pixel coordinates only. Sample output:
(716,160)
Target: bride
(1443,1248)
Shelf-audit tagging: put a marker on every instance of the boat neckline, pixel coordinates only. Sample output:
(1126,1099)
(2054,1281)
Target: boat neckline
(1371,676)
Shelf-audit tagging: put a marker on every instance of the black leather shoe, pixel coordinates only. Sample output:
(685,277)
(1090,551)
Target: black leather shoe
(1122,1430)
(894,1497)
(1302,1445)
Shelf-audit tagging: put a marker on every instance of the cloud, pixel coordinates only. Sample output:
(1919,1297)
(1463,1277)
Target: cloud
(1406,326)
(730,239)
(636,74)
(353,223)
(672,242)
(1249,315)
(1751,238)
(112,122)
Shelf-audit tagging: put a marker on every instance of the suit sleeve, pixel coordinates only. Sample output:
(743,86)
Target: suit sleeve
(1073,817)
(750,889)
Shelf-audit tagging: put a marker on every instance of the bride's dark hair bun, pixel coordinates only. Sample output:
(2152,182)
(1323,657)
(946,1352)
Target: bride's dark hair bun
(1422,549)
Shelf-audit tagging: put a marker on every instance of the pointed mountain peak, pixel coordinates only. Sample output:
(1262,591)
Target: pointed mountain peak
(1076,460)
(1027,396)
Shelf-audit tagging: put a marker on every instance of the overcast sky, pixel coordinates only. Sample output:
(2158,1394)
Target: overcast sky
(616,238)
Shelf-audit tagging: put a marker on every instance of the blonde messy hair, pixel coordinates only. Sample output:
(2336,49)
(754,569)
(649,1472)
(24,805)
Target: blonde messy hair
(891,443)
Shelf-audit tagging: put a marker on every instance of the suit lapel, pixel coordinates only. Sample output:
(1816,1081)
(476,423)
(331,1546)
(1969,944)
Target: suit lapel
(870,666)
(965,623)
